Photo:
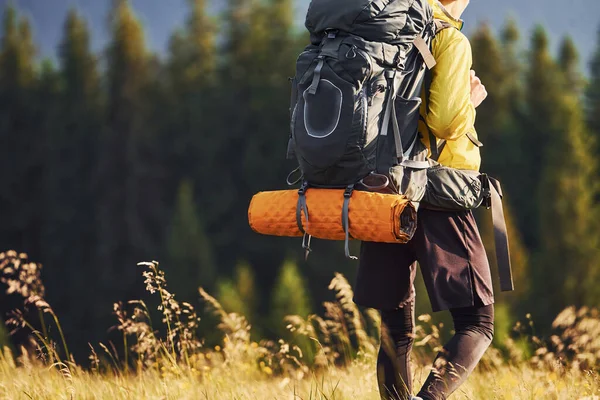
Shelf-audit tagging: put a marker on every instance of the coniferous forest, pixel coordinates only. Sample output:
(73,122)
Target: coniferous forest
(108,159)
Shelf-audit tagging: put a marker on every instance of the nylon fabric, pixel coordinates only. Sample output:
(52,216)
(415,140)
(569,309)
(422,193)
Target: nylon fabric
(501,238)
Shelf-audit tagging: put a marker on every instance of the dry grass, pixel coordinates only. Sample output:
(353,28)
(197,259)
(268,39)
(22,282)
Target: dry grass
(357,381)
(325,357)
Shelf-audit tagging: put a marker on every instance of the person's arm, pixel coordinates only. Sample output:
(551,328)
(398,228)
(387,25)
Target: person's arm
(451,113)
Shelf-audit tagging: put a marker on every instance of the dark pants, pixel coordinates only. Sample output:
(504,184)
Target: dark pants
(456,272)
(452,258)
(474,327)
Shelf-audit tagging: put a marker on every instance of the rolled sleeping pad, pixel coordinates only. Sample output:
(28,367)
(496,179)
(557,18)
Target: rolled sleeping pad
(373,217)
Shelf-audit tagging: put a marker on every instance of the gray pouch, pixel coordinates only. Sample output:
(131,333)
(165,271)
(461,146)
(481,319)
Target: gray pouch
(453,189)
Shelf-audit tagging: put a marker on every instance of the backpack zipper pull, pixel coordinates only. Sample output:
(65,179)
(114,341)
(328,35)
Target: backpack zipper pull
(350,54)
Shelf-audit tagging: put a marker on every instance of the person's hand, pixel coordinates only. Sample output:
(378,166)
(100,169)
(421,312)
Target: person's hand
(478,92)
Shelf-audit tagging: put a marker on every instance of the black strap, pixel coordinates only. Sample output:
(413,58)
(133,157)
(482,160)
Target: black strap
(302,207)
(346,220)
(316,77)
(331,46)
(435,146)
(493,200)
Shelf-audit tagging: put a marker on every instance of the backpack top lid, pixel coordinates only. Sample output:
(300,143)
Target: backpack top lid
(389,21)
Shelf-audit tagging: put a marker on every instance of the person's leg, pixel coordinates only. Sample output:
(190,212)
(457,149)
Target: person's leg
(384,281)
(393,362)
(474,328)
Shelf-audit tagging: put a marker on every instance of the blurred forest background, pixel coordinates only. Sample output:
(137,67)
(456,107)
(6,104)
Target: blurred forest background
(111,158)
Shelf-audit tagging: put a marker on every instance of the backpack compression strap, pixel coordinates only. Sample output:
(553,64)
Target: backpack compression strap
(390,116)
(494,201)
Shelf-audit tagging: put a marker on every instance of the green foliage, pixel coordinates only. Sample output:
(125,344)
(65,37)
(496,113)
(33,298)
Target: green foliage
(569,229)
(189,253)
(568,59)
(289,297)
(593,95)
(239,295)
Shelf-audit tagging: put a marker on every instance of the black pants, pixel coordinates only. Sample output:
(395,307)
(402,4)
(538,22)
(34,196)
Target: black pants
(474,328)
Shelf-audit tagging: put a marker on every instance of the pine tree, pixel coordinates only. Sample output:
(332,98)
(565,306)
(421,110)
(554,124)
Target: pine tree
(127,199)
(542,123)
(495,64)
(493,113)
(567,211)
(190,264)
(568,59)
(71,145)
(289,297)
(253,84)
(239,295)
(20,166)
(569,214)
(21,140)
(593,95)
(194,89)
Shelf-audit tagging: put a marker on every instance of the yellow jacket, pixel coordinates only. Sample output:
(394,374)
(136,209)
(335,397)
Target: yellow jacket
(451,115)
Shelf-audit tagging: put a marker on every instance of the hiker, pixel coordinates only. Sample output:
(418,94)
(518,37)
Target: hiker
(447,244)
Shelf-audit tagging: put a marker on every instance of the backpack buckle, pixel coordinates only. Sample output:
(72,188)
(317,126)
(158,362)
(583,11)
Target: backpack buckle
(348,191)
(303,188)
(331,33)
(487,192)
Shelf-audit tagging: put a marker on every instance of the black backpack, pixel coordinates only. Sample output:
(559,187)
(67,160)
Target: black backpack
(355,97)
(355,112)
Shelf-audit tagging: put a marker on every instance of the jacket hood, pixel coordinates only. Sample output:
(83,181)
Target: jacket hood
(440,12)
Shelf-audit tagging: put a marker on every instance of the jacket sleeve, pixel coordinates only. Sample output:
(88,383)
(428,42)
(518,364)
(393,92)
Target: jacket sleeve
(451,113)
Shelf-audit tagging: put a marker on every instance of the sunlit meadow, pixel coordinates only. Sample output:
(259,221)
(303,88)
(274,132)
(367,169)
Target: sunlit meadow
(324,357)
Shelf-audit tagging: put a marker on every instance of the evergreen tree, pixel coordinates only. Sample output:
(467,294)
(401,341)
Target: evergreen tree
(493,114)
(289,297)
(569,214)
(256,47)
(20,166)
(71,144)
(21,141)
(566,209)
(190,262)
(569,64)
(593,95)
(194,151)
(239,296)
(541,125)
(127,199)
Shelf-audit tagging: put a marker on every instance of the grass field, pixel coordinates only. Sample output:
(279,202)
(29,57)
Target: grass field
(358,381)
(323,357)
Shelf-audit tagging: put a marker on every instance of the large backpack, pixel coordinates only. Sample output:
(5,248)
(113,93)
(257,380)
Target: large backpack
(355,108)
(355,98)
(355,104)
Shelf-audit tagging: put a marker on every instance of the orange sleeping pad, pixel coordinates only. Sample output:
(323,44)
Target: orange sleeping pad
(372,217)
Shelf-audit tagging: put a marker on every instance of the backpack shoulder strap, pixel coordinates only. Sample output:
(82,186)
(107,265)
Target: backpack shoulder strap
(440,25)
